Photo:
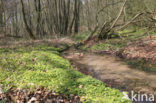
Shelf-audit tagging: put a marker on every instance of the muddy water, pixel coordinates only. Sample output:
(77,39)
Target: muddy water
(113,71)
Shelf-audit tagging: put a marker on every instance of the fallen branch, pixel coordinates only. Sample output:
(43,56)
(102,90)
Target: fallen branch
(137,15)
(119,14)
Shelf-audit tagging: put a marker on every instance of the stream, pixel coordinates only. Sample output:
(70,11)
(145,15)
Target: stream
(112,71)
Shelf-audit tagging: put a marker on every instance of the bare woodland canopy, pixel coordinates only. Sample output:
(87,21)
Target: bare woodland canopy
(46,18)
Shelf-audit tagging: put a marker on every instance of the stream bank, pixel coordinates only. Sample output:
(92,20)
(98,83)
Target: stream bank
(112,71)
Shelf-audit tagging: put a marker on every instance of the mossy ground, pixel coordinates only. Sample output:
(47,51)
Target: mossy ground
(41,66)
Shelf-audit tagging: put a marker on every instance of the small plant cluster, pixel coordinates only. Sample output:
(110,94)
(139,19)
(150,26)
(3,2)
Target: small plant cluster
(81,36)
(118,43)
(41,66)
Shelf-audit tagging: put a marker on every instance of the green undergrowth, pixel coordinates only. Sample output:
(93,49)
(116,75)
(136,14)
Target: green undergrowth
(41,66)
(81,36)
(118,43)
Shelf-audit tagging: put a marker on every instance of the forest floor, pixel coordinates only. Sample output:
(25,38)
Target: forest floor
(34,71)
(108,67)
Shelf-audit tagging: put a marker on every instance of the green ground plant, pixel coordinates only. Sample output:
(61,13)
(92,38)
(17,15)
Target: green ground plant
(81,36)
(41,66)
(118,43)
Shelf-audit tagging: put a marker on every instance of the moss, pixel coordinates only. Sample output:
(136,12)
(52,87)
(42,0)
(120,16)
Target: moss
(41,66)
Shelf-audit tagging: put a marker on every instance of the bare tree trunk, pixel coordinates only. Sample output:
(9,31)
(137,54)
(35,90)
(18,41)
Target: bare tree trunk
(108,30)
(137,15)
(3,17)
(77,15)
(119,14)
(38,10)
(25,22)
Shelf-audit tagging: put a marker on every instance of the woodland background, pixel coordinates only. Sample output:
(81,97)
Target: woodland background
(38,19)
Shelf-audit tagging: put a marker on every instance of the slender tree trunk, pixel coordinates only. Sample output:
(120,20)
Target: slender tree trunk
(25,22)
(77,15)
(38,10)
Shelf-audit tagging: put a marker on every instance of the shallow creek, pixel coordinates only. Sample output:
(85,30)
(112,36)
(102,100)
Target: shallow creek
(112,71)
